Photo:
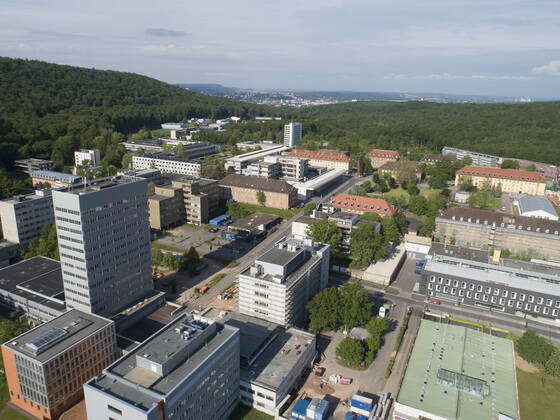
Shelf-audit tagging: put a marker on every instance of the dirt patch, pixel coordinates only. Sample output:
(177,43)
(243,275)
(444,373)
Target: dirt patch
(525,366)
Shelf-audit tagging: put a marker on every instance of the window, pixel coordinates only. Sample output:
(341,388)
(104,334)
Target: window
(469,294)
(477,296)
(455,283)
(485,298)
(522,296)
(531,298)
(448,282)
(114,410)
(438,288)
(461,292)
(540,300)
(479,288)
(445,289)
(554,312)
(464,285)
(504,293)
(528,306)
(471,286)
(549,302)
(510,303)
(430,286)
(493,300)
(502,301)
(514,295)
(440,280)
(488,290)
(453,291)
(433,279)
(545,310)
(537,308)
(496,292)
(519,305)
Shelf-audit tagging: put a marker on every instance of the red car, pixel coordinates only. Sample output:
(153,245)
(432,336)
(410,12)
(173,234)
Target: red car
(435,301)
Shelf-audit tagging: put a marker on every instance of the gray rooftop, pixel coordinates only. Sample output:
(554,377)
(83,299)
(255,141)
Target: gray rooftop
(101,184)
(35,195)
(56,176)
(58,335)
(253,221)
(534,203)
(458,251)
(278,256)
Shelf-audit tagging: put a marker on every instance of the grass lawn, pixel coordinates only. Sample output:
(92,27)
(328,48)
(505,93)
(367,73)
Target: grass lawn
(431,194)
(163,247)
(398,193)
(242,412)
(538,396)
(284,214)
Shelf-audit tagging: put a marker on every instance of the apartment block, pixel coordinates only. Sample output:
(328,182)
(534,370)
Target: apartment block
(379,157)
(24,216)
(104,240)
(478,159)
(360,205)
(244,189)
(34,164)
(46,366)
(471,277)
(167,163)
(509,180)
(187,370)
(167,208)
(323,159)
(527,236)
(292,134)
(93,157)
(277,286)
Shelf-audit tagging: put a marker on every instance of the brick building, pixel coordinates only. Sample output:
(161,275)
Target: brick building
(323,159)
(379,157)
(358,204)
(244,189)
(509,180)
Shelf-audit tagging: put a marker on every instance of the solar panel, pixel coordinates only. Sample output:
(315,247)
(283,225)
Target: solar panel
(462,382)
(45,340)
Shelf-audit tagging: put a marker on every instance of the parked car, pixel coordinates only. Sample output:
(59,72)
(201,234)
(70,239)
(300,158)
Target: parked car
(434,301)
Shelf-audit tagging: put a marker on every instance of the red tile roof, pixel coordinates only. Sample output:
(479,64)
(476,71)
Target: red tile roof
(380,153)
(318,155)
(514,174)
(365,204)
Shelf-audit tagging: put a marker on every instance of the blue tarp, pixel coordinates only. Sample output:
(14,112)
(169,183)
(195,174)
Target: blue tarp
(217,221)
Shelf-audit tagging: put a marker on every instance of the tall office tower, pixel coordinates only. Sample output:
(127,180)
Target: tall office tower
(292,134)
(282,280)
(188,370)
(104,241)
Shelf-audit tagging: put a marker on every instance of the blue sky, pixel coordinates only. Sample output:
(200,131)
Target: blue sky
(494,47)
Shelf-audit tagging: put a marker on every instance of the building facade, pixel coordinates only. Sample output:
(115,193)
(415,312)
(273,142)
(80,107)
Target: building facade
(509,180)
(187,370)
(345,222)
(240,162)
(379,157)
(167,208)
(46,366)
(33,164)
(394,169)
(292,134)
(201,198)
(93,157)
(282,280)
(167,163)
(525,236)
(323,159)
(245,189)
(478,159)
(104,240)
(360,205)
(263,170)
(24,216)
(54,179)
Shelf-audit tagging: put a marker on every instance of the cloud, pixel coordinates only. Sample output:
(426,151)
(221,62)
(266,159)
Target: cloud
(162,32)
(550,69)
(448,76)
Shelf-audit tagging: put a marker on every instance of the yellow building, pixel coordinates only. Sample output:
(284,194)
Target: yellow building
(323,159)
(509,180)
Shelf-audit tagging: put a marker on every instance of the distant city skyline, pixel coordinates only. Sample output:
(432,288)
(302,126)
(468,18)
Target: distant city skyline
(474,47)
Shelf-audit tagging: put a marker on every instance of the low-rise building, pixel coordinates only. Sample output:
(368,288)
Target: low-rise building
(253,225)
(431,159)
(263,169)
(394,168)
(291,168)
(173,126)
(462,197)
(91,157)
(319,184)
(534,206)
(323,159)
(379,157)
(167,208)
(277,286)
(189,370)
(509,180)
(24,216)
(477,159)
(417,247)
(385,271)
(245,189)
(546,170)
(345,222)
(458,373)
(151,175)
(249,144)
(360,205)
(168,163)
(34,164)
(240,162)
(474,278)
(54,179)
(46,366)
(527,236)
(9,253)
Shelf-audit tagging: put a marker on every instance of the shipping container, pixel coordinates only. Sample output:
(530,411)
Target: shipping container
(360,411)
(361,402)
(353,416)
(300,409)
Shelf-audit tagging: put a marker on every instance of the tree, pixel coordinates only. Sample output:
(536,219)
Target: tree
(151,187)
(405,172)
(428,227)
(261,197)
(390,229)
(412,189)
(170,261)
(350,351)
(46,244)
(237,210)
(531,167)
(483,200)
(355,306)
(418,205)
(308,209)
(552,365)
(10,329)
(362,248)
(509,164)
(327,232)
(534,348)
(377,326)
(189,261)
(157,258)
(324,310)
(437,181)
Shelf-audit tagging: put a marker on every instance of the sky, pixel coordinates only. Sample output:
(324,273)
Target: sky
(485,47)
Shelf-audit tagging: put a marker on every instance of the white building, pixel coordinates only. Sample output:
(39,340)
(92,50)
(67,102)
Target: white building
(292,134)
(173,126)
(290,167)
(280,282)
(240,162)
(533,206)
(92,156)
(167,163)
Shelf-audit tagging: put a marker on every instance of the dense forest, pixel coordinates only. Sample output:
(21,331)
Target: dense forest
(49,110)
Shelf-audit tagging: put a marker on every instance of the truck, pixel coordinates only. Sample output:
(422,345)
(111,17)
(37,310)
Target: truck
(384,310)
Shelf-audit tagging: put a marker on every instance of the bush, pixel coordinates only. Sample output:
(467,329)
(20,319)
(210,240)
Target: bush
(535,349)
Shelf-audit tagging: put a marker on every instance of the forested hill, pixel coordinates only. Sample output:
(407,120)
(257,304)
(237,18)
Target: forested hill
(42,104)
(528,131)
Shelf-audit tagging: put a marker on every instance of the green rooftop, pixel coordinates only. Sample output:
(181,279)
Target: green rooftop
(461,374)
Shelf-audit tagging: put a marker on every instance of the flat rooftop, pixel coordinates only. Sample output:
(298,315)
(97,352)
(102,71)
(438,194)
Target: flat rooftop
(38,279)
(55,176)
(101,184)
(253,221)
(54,337)
(278,256)
(460,373)
(35,195)
(458,251)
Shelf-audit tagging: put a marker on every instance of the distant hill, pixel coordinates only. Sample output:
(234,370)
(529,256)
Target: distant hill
(210,88)
(51,109)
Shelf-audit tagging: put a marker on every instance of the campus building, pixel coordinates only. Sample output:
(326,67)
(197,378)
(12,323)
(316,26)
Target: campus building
(167,209)
(346,222)
(53,179)
(393,168)
(187,370)
(201,198)
(104,240)
(509,180)
(245,189)
(478,159)
(34,164)
(24,216)
(168,163)
(240,162)
(379,157)
(470,277)
(277,286)
(292,134)
(458,373)
(323,159)
(535,206)
(527,236)
(360,205)
(46,367)
(93,158)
